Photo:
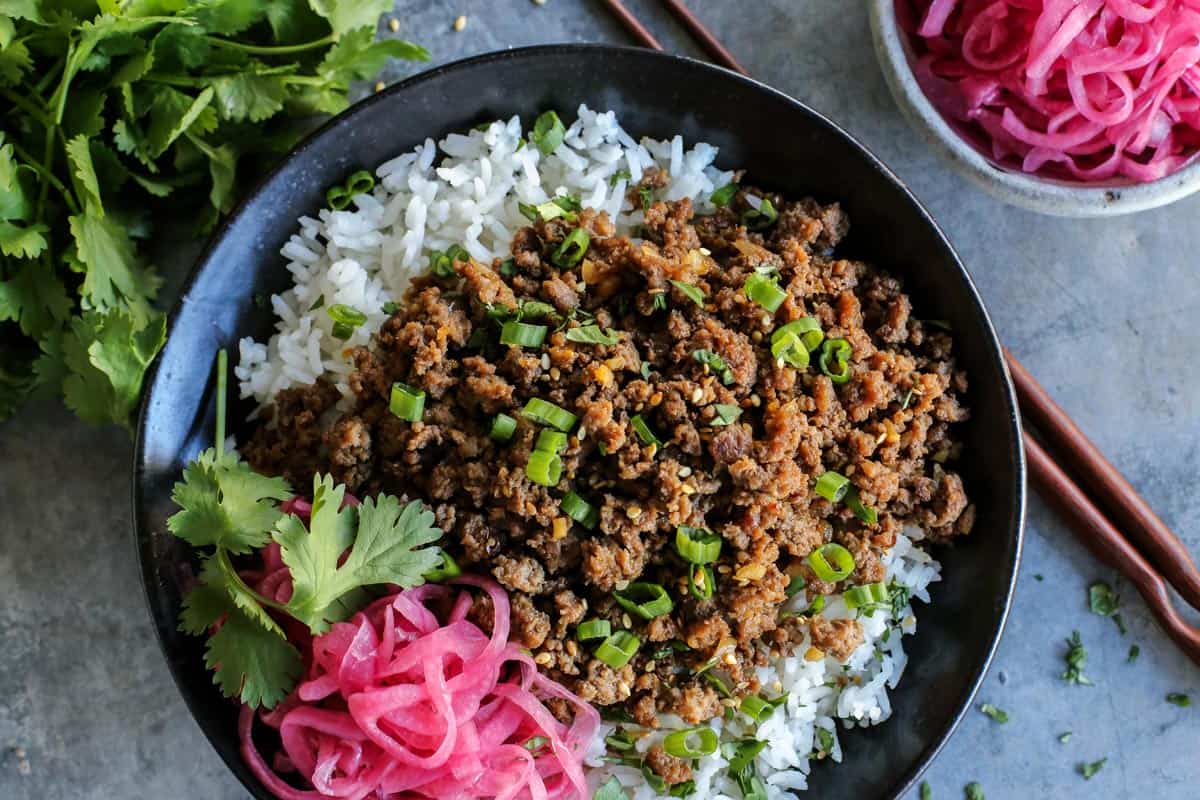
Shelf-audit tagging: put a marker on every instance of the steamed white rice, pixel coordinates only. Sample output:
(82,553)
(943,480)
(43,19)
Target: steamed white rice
(464,190)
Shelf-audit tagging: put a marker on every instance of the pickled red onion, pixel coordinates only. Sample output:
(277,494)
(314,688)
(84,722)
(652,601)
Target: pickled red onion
(1086,90)
(399,701)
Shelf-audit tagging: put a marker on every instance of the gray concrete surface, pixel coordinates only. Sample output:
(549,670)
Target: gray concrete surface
(1102,312)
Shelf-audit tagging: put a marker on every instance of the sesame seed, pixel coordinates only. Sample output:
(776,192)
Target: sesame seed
(755,400)
(393,24)
(545,361)
(380,86)
(581,434)
(581,286)
(724,569)
(543,658)
(728,702)
(622,585)
(697,395)
(687,488)
(704,251)
(624,689)
(461,22)
(730,659)
(572,648)
(766,320)
(650,665)
(626,621)
(633,512)
(813,654)
(684,472)
(554,373)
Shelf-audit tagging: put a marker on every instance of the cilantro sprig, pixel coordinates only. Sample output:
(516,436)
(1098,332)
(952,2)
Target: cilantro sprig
(112,111)
(228,507)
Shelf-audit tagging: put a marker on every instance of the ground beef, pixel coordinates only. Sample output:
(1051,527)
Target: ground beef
(685,418)
(671,769)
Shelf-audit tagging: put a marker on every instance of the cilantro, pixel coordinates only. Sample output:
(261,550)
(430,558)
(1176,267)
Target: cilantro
(725,414)
(619,175)
(224,503)
(1039,577)
(1065,736)
(1076,657)
(1088,770)
(1102,600)
(973,791)
(592,334)
(926,792)
(113,107)
(824,743)
(1179,699)
(714,363)
(692,293)
(997,714)
(1134,652)
(659,301)
(610,790)
(382,550)
(646,195)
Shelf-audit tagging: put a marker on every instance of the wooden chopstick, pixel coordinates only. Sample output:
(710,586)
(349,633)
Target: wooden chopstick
(1169,555)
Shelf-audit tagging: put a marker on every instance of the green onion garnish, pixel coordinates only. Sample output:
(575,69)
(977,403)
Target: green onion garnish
(765,291)
(757,219)
(721,197)
(619,740)
(795,585)
(758,709)
(832,486)
(865,513)
(1086,770)
(548,132)
(441,265)
(448,569)
(544,467)
(715,364)
(580,510)
(345,320)
(697,545)
(390,308)
(647,196)
(692,293)
(406,402)
(503,427)
(643,431)
(816,606)
(520,334)
(724,414)
(646,600)
(592,334)
(546,413)
(593,629)
(337,197)
(457,253)
(551,441)
(835,359)
(508,267)
(571,250)
(866,596)
(617,649)
(691,743)
(701,581)
(795,340)
(997,714)
(831,562)
(1179,699)
(360,182)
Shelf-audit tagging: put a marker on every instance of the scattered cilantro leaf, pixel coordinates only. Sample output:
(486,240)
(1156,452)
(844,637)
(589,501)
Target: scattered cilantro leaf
(1065,737)
(997,714)
(1088,770)
(251,663)
(592,334)
(225,503)
(715,363)
(1179,699)
(725,414)
(107,356)
(1102,600)
(1076,658)
(926,792)
(1134,652)
(692,293)
(973,791)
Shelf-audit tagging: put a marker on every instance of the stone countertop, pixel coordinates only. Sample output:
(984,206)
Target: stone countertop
(1101,311)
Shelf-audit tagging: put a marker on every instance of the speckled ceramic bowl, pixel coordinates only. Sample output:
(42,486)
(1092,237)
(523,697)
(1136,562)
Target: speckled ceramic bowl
(1045,195)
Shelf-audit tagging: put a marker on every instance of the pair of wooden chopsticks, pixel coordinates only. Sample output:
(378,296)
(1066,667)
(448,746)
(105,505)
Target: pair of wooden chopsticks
(1102,503)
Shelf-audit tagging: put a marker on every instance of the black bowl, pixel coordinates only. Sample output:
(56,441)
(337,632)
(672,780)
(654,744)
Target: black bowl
(785,146)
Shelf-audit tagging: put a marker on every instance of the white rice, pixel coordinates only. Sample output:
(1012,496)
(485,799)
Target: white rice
(465,190)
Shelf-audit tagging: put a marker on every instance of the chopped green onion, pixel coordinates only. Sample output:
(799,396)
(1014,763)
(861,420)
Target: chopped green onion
(1086,770)
(449,569)
(551,441)
(806,330)
(659,301)
(715,363)
(406,402)
(337,197)
(832,486)
(390,308)
(1102,600)
(691,292)
(592,334)
(1179,699)
(441,265)
(725,414)
(645,370)
(580,510)
(721,197)
(546,413)
(757,219)
(835,359)
(548,132)
(789,350)
(926,792)
(865,513)
(865,596)
(222,391)
(360,182)
(646,600)
(997,714)
(908,396)
(593,629)
(816,606)
(619,175)
(697,545)
(617,649)
(508,267)
(457,253)
(503,427)
(345,320)
(570,252)
(643,430)
(795,586)
(765,291)
(691,743)
(528,210)
(520,334)
(701,581)
(716,682)
(1134,652)
(1065,736)
(544,467)
(758,709)
(831,562)
(341,331)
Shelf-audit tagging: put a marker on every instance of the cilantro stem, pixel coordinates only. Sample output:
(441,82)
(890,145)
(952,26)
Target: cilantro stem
(222,368)
(49,77)
(279,50)
(29,108)
(231,574)
(46,175)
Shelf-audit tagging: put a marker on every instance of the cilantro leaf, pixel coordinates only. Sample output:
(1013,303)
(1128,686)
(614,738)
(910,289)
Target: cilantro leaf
(347,15)
(693,293)
(382,550)
(251,663)
(83,172)
(1102,600)
(1089,770)
(34,297)
(173,112)
(224,502)
(592,334)
(22,241)
(107,355)
(997,714)
(249,96)
(203,607)
(116,277)
(15,61)
(1076,658)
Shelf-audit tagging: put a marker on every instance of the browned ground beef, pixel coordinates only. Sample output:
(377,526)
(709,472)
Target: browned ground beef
(888,429)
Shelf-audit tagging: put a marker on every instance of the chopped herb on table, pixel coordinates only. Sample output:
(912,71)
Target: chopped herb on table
(1102,600)
(997,714)
(1065,737)
(926,791)
(1179,699)
(114,115)
(1134,652)
(1090,769)
(973,791)
(1076,658)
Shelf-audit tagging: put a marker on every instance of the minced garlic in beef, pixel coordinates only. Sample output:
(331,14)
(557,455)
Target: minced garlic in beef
(888,429)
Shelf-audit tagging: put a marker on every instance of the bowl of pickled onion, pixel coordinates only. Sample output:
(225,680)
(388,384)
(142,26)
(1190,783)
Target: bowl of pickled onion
(1078,108)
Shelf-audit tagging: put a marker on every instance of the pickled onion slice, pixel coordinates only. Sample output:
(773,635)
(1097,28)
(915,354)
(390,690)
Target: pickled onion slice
(409,696)
(1082,90)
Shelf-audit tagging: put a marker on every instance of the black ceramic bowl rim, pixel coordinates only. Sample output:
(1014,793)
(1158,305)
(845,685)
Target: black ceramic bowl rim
(141,528)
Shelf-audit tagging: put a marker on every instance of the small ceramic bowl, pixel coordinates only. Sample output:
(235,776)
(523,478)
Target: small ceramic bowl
(1045,195)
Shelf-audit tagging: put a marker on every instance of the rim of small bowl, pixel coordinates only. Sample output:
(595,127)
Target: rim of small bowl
(1044,195)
